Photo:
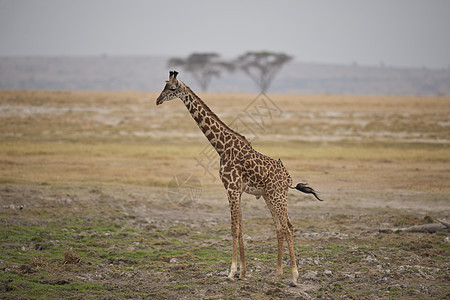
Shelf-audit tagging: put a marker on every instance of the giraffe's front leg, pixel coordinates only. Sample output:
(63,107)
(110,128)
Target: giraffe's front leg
(230,175)
(234,208)
(243,266)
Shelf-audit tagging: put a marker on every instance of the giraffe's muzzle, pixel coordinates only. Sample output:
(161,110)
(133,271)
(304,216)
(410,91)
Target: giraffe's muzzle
(159,101)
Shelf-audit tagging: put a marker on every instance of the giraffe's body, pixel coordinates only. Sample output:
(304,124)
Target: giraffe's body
(242,169)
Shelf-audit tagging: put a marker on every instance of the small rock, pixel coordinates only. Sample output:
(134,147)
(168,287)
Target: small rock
(370,259)
(173,260)
(310,275)
(112,248)
(350,275)
(328,273)
(65,200)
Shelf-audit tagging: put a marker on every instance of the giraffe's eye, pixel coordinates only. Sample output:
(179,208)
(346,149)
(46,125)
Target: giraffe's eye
(173,89)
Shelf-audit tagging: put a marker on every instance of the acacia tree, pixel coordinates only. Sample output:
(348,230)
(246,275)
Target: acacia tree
(202,66)
(262,66)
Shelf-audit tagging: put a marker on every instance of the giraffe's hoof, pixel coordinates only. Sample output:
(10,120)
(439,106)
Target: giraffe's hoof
(293,284)
(229,279)
(243,278)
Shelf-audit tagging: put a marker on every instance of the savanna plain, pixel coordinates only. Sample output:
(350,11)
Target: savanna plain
(106,195)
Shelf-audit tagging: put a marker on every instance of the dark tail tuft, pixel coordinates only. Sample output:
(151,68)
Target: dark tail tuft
(303,187)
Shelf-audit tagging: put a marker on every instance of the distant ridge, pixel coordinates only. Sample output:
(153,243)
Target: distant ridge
(147,73)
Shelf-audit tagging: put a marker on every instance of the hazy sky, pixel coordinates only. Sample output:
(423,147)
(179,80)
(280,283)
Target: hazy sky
(410,33)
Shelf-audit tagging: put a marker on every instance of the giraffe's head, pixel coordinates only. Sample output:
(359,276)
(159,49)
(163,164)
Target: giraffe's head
(173,89)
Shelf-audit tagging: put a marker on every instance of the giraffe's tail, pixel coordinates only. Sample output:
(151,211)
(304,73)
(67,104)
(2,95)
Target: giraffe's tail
(303,187)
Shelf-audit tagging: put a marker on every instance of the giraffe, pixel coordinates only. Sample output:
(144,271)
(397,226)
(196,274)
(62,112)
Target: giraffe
(243,169)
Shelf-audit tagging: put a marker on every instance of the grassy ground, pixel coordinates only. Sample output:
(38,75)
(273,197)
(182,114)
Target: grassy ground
(88,207)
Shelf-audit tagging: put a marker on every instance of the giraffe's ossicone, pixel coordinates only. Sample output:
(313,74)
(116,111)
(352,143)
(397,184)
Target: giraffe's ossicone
(242,169)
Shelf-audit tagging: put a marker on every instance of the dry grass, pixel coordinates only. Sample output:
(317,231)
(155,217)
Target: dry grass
(118,138)
(71,257)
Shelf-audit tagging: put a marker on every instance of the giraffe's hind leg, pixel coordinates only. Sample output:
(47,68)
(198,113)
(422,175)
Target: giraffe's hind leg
(280,237)
(278,207)
(289,235)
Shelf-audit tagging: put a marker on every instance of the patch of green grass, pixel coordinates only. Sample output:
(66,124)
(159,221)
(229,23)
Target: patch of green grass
(136,255)
(204,236)
(182,286)
(41,286)
(263,255)
(51,239)
(444,246)
(393,291)
(336,248)
(303,248)
(211,255)
(163,254)
(337,287)
(367,293)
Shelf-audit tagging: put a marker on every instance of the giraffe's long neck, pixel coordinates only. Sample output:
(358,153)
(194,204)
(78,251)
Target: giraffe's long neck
(217,132)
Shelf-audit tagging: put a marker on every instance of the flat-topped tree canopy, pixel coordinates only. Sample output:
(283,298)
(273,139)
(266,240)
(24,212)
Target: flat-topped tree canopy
(262,66)
(202,66)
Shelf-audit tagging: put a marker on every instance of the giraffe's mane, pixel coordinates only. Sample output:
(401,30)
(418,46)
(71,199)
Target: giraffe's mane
(213,115)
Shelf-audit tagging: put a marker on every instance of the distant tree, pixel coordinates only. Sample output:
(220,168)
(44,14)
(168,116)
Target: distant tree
(262,66)
(202,66)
